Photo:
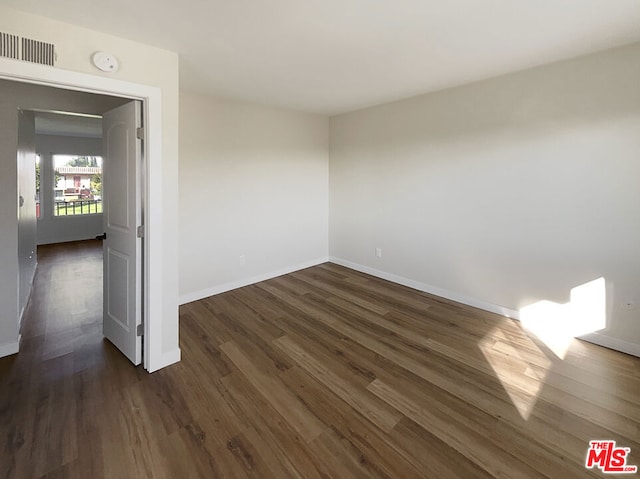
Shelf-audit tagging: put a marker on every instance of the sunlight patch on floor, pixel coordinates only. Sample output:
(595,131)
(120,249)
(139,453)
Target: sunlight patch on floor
(510,363)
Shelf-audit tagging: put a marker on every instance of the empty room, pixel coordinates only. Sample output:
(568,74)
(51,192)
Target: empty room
(329,239)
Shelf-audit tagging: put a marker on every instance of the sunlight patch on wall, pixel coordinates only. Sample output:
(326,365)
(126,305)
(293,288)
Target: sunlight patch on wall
(521,368)
(556,325)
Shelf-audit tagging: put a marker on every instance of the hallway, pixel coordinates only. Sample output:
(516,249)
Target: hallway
(64,315)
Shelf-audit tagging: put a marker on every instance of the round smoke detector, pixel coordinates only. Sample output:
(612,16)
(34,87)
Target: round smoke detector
(105,61)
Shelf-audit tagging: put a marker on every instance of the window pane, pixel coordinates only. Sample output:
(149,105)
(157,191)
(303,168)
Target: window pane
(77,185)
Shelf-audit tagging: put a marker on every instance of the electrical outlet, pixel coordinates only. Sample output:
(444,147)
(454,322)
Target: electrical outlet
(241,260)
(379,252)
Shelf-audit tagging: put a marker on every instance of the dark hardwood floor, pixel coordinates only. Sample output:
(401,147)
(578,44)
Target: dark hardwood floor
(325,372)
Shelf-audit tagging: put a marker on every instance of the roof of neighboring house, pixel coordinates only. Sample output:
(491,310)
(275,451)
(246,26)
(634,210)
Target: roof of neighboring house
(78,170)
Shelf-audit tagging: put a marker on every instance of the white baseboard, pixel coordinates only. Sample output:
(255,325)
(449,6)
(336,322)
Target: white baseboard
(427,288)
(31,282)
(596,338)
(21,314)
(167,359)
(612,343)
(223,288)
(8,349)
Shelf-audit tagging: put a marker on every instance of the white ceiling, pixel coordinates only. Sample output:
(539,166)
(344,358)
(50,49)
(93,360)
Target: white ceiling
(333,56)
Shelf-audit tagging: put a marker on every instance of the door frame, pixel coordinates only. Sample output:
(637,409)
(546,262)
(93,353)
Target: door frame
(152,116)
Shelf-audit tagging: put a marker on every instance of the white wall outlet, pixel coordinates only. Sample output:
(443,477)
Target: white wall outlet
(241,260)
(379,252)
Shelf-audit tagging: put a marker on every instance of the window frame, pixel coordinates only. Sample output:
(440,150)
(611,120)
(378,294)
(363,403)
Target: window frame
(54,187)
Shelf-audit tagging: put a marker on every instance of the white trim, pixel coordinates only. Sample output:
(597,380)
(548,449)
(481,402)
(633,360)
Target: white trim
(33,276)
(10,348)
(153,250)
(223,288)
(612,343)
(167,359)
(596,338)
(427,288)
(26,72)
(153,245)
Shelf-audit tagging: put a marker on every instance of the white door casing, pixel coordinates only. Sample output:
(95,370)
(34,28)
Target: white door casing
(159,312)
(122,214)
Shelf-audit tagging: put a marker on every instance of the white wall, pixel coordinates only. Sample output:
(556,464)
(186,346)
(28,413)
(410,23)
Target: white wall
(58,229)
(253,183)
(504,192)
(26,164)
(140,64)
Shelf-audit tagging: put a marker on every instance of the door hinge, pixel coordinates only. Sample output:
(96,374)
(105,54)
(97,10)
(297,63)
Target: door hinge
(140,231)
(140,329)
(140,133)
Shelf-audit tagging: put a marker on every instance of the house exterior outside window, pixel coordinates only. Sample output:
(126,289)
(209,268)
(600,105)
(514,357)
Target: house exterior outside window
(78,185)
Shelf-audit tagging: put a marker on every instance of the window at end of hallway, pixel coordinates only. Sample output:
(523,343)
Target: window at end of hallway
(77,185)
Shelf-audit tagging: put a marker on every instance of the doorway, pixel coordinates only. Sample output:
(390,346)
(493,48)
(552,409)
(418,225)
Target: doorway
(77,210)
(154,302)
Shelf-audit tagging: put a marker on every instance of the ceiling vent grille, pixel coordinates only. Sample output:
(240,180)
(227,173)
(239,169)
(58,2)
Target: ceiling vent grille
(26,49)
(38,52)
(9,46)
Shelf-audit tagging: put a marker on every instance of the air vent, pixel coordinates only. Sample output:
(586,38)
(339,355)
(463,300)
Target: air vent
(38,52)
(12,46)
(9,46)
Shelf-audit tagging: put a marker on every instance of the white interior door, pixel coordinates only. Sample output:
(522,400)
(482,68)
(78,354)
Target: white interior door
(122,212)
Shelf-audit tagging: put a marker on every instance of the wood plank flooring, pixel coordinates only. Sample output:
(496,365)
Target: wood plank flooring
(322,373)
